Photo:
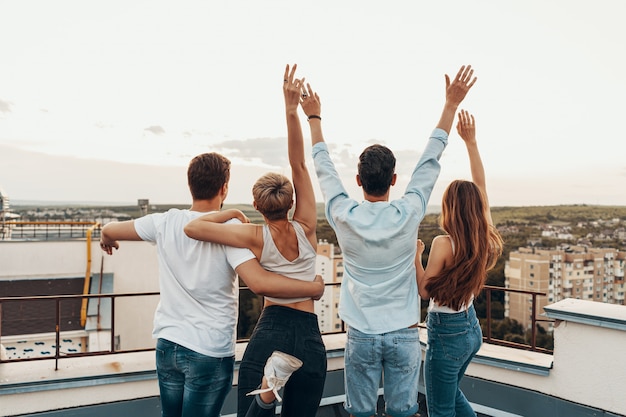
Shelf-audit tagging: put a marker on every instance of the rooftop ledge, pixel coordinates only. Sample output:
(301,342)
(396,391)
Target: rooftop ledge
(508,358)
(610,316)
(20,377)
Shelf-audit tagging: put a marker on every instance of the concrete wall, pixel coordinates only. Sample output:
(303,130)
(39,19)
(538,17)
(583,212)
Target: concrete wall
(134,268)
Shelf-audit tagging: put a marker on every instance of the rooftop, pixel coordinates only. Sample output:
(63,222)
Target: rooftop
(583,376)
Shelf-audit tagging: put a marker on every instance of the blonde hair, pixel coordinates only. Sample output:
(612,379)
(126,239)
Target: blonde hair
(273,195)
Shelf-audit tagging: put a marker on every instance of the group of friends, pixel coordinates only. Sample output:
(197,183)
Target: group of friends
(202,250)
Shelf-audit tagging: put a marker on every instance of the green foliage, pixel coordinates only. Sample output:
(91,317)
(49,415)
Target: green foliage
(325,232)
(547,214)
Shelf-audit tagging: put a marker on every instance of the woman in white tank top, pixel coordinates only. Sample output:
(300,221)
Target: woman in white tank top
(456,270)
(287,247)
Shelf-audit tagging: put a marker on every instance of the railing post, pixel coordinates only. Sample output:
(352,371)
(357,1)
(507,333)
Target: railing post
(57,352)
(112,323)
(0,326)
(533,341)
(488,295)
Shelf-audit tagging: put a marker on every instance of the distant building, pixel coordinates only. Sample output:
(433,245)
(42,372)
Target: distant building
(593,274)
(5,230)
(330,267)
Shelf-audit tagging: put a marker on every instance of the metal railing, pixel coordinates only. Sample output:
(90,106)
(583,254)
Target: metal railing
(58,354)
(488,289)
(47,230)
(58,299)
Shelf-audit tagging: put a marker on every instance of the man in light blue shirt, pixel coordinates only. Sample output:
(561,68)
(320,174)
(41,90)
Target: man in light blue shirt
(379,300)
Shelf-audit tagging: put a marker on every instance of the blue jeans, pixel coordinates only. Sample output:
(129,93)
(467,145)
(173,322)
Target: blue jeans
(453,340)
(296,333)
(191,384)
(396,356)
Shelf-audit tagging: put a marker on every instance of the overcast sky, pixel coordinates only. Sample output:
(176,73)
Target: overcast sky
(107,101)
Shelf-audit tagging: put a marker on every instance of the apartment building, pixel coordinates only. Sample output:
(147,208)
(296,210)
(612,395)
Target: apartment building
(580,272)
(330,267)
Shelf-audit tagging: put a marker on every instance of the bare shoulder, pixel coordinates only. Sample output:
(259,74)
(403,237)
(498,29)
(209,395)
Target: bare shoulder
(442,248)
(443,242)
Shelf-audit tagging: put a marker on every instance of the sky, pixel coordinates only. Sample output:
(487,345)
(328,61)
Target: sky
(108,101)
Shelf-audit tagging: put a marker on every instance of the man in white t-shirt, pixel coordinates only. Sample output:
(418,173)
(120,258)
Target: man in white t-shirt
(195,321)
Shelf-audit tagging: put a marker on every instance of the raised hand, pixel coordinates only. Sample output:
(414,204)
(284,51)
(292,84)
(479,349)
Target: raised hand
(293,88)
(466,127)
(455,93)
(458,88)
(310,102)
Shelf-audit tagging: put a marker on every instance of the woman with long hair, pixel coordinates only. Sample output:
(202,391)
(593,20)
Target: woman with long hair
(455,273)
(286,347)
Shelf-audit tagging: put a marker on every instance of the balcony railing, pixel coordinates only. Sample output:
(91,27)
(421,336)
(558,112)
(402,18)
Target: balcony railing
(58,354)
(488,290)
(57,332)
(47,230)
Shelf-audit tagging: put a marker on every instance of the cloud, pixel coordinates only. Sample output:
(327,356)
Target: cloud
(103,125)
(267,151)
(5,106)
(156,130)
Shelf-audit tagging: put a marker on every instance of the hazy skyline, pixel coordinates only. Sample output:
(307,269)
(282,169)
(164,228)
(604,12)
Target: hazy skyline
(108,101)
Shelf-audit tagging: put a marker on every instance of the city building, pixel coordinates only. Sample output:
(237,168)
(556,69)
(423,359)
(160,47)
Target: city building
(330,267)
(578,272)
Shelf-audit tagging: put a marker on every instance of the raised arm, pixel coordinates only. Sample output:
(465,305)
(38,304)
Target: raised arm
(305,211)
(455,93)
(312,107)
(467,130)
(211,228)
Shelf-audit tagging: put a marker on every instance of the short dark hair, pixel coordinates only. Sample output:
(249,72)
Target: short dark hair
(377,165)
(206,175)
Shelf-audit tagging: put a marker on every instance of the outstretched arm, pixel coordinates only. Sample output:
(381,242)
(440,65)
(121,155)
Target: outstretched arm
(455,93)
(210,228)
(467,130)
(305,211)
(263,282)
(114,231)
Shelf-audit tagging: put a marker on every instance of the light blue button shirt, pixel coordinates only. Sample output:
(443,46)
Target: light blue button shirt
(378,241)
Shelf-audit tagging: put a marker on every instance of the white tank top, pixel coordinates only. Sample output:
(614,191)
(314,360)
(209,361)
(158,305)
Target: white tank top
(302,268)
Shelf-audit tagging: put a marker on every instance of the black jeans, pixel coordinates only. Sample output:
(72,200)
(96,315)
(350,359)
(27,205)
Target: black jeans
(296,333)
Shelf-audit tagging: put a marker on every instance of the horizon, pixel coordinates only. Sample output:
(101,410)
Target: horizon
(430,208)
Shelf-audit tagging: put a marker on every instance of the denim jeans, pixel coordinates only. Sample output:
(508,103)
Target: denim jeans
(191,384)
(296,333)
(396,356)
(453,340)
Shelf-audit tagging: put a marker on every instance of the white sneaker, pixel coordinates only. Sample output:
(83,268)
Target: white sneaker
(278,369)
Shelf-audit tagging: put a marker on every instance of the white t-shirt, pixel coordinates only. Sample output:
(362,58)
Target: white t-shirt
(199,287)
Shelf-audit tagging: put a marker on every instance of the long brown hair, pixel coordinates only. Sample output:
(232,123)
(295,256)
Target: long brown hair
(477,245)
